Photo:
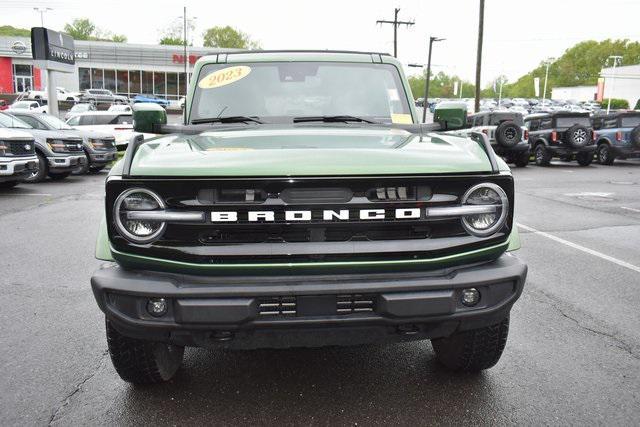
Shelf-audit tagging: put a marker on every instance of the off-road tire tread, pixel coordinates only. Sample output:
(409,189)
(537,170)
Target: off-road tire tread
(134,359)
(521,160)
(474,350)
(585,158)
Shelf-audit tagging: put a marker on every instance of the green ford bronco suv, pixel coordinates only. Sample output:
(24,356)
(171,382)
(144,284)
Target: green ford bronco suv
(301,203)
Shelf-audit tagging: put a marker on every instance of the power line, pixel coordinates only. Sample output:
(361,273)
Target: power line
(396,24)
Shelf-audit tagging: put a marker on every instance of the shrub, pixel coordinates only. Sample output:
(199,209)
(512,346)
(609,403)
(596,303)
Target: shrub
(616,103)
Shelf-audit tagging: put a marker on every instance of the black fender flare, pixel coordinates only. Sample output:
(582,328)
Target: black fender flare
(604,141)
(540,141)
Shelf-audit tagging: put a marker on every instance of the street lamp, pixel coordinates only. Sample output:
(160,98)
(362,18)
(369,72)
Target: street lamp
(426,86)
(546,76)
(617,59)
(42,11)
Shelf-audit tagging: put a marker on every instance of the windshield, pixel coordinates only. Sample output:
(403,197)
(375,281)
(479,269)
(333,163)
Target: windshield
(301,89)
(565,122)
(54,122)
(7,121)
(629,122)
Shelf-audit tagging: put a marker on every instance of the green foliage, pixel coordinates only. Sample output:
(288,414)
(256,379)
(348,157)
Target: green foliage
(579,65)
(441,86)
(616,104)
(174,41)
(84,29)
(228,37)
(8,30)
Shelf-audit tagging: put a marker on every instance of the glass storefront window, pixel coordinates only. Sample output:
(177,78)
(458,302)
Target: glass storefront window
(22,70)
(182,87)
(134,81)
(172,84)
(122,81)
(147,82)
(110,80)
(85,78)
(159,83)
(97,81)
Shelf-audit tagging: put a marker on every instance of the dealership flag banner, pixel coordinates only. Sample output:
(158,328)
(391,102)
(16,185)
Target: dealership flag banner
(536,86)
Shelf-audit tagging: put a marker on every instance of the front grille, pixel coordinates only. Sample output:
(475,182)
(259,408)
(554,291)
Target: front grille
(73,145)
(20,148)
(334,230)
(354,303)
(277,306)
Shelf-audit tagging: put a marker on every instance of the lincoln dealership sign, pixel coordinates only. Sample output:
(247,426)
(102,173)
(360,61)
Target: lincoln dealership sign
(52,50)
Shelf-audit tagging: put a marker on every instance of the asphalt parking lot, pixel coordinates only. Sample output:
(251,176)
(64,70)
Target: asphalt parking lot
(573,354)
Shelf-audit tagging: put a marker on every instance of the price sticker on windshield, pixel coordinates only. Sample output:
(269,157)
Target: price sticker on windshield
(224,77)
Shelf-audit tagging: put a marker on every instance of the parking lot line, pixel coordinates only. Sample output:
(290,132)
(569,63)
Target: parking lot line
(581,248)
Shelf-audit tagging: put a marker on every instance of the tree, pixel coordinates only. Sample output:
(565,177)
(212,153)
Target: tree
(441,86)
(173,34)
(84,29)
(80,29)
(8,30)
(228,37)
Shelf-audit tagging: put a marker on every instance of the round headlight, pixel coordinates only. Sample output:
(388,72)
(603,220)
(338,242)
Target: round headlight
(485,224)
(134,230)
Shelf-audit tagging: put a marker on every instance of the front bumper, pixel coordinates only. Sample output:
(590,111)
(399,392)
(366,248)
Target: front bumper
(66,163)
(309,310)
(16,169)
(102,157)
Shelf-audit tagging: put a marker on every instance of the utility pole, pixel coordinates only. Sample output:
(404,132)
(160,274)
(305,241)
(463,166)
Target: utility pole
(426,83)
(479,55)
(395,23)
(616,59)
(546,77)
(186,58)
(42,11)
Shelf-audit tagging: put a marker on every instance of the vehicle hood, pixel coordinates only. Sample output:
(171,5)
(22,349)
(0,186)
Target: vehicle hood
(10,133)
(308,150)
(87,133)
(43,134)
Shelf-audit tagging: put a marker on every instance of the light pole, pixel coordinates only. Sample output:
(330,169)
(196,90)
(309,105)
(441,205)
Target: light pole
(426,85)
(546,77)
(185,41)
(42,11)
(616,59)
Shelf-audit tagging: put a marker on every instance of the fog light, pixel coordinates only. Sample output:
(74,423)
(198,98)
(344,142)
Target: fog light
(157,307)
(470,297)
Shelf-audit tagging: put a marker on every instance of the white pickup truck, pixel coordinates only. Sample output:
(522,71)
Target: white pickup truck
(63,94)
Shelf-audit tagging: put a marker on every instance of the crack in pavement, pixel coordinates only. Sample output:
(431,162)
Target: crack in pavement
(67,399)
(555,304)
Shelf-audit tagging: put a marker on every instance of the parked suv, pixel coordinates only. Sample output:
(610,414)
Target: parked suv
(617,135)
(102,96)
(317,212)
(99,147)
(561,134)
(17,153)
(58,153)
(507,134)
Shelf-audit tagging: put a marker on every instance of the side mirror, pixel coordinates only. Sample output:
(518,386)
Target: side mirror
(147,117)
(451,115)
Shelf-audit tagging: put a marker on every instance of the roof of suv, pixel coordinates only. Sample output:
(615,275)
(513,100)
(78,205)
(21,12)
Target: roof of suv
(297,55)
(103,113)
(556,114)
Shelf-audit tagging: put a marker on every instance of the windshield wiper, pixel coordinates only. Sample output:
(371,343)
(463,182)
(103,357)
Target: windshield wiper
(228,119)
(333,119)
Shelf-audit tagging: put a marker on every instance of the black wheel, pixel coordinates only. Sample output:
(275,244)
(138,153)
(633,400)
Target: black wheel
(42,172)
(522,159)
(635,136)
(584,159)
(142,362)
(57,176)
(604,154)
(542,156)
(577,136)
(96,169)
(472,351)
(508,134)
(8,184)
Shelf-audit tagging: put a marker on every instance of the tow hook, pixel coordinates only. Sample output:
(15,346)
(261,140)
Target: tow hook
(407,329)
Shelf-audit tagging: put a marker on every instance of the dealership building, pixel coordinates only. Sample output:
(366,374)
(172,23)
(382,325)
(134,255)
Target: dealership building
(124,68)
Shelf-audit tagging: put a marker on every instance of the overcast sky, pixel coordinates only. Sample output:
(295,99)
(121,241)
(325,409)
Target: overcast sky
(518,34)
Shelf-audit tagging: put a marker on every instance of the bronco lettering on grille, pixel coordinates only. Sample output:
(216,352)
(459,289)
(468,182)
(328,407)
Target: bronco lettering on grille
(307,215)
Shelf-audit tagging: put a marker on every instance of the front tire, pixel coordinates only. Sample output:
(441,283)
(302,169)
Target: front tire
(42,172)
(142,362)
(584,159)
(605,156)
(542,156)
(474,350)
